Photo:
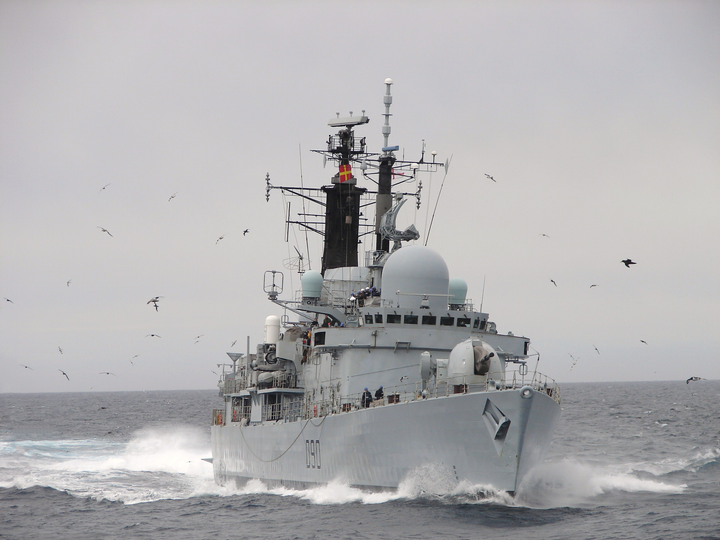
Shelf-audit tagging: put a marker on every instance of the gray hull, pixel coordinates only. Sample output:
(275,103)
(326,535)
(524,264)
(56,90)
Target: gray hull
(490,438)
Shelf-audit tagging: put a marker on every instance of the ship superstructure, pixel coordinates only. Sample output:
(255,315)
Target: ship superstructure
(381,367)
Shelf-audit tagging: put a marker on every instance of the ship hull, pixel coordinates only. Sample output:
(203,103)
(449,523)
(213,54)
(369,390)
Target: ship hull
(484,438)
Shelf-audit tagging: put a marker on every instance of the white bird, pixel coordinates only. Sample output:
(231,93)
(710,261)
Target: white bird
(574,361)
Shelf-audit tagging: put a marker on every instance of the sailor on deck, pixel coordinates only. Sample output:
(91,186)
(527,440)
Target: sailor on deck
(366,399)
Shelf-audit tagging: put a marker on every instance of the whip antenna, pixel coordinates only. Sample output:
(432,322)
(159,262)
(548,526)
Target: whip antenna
(447,167)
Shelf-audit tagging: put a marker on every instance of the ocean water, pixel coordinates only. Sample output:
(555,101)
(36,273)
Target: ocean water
(629,461)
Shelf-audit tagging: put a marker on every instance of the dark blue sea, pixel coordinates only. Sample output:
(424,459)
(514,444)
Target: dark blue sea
(629,461)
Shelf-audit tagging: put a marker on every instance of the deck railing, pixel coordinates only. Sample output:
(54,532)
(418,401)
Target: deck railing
(290,411)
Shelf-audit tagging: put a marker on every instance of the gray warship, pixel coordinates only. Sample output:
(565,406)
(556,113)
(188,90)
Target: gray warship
(380,367)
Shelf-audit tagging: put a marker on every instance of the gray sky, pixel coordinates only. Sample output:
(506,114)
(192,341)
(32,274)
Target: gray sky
(600,122)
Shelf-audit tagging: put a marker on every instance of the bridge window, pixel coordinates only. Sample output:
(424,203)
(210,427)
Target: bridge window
(319,338)
(411,319)
(368,319)
(447,321)
(393,318)
(378,318)
(463,322)
(429,319)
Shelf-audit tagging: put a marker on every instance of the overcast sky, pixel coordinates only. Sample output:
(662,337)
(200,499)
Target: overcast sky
(600,122)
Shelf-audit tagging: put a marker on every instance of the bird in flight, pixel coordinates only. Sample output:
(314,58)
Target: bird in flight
(628,262)
(553,282)
(66,375)
(102,188)
(172,196)
(61,351)
(545,235)
(154,301)
(27,367)
(133,358)
(246,231)
(9,300)
(574,361)
(216,241)
(233,343)
(593,285)
(68,282)
(490,177)
(152,335)
(643,341)
(104,230)
(107,373)
(594,347)
(694,379)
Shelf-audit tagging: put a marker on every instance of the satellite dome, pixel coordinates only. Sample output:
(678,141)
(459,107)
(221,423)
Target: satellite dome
(312,282)
(415,271)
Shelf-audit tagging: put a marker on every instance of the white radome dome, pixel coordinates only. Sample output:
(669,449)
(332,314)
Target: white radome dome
(416,271)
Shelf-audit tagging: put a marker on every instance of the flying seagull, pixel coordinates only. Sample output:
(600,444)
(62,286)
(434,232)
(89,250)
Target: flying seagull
(490,177)
(594,347)
(172,196)
(643,341)
(154,301)
(27,367)
(694,379)
(593,285)
(628,262)
(545,235)
(60,349)
(68,282)
(107,373)
(152,335)
(102,188)
(216,241)
(9,300)
(104,230)
(574,361)
(66,375)
(246,231)
(131,360)
(553,282)
(233,343)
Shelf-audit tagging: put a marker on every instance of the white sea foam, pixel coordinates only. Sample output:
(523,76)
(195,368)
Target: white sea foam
(167,463)
(572,483)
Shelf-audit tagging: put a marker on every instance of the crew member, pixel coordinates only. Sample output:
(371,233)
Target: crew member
(366,399)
